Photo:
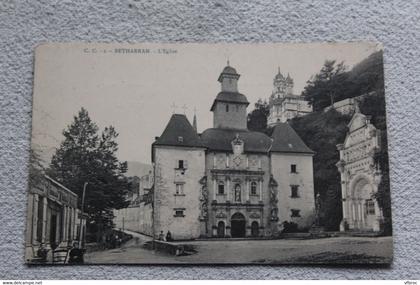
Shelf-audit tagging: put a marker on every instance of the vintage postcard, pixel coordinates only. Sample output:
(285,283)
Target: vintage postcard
(213,154)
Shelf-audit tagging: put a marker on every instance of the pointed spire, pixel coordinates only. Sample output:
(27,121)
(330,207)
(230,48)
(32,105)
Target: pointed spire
(228,62)
(195,120)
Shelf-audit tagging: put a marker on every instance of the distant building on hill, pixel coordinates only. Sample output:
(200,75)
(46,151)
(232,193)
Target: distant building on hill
(284,105)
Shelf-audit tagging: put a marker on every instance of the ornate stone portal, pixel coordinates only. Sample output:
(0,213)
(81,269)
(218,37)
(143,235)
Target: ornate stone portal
(360,176)
(204,197)
(273,207)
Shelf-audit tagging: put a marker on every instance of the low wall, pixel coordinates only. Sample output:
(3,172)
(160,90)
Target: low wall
(136,219)
(170,248)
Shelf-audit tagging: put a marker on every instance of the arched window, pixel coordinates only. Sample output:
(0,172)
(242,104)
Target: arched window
(253,188)
(221,188)
(221,229)
(254,229)
(237,193)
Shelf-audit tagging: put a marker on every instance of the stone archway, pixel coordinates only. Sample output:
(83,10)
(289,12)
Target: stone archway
(237,223)
(360,202)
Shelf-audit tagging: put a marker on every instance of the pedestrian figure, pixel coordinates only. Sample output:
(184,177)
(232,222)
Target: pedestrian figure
(168,236)
(161,236)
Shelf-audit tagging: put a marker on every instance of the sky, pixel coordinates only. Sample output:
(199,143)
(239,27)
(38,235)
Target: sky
(135,91)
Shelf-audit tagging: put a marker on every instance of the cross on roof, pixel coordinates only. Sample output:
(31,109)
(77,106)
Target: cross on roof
(174,107)
(184,107)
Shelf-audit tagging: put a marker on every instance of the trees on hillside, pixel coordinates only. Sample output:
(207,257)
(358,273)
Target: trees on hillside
(374,106)
(333,83)
(324,87)
(85,155)
(257,119)
(322,132)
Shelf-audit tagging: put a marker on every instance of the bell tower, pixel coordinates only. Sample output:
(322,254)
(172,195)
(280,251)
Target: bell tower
(229,79)
(229,107)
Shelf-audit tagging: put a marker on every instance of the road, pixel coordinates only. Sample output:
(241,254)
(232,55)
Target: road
(325,250)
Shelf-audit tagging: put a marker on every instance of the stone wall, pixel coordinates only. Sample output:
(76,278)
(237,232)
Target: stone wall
(167,202)
(281,170)
(235,118)
(137,219)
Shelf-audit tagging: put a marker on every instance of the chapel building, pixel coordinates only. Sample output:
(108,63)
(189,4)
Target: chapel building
(360,176)
(229,181)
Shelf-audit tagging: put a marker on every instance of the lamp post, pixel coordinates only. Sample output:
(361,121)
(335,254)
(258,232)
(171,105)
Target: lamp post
(81,215)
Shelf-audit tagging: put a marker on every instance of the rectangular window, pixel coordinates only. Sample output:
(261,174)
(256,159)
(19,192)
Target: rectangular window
(370,207)
(179,213)
(179,189)
(221,188)
(293,168)
(295,213)
(294,191)
(181,164)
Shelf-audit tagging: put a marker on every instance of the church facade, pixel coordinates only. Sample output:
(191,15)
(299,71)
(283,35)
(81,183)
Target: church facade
(284,105)
(360,176)
(229,181)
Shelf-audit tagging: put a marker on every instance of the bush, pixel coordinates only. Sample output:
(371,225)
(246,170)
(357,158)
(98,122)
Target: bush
(290,227)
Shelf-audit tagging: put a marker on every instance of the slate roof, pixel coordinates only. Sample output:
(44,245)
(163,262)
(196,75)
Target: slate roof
(230,97)
(179,126)
(285,139)
(228,70)
(221,140)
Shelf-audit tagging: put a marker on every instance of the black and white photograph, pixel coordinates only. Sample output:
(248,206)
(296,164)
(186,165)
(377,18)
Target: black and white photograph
(209,154)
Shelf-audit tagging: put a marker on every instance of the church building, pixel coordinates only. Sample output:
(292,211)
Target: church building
(284,105)
(229,181)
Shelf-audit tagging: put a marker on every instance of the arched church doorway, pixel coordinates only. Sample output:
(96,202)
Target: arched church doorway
(362,204)
(221,229)
(254,229)
(237,223)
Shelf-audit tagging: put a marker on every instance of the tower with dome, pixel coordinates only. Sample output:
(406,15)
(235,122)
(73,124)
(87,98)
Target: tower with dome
(284,105)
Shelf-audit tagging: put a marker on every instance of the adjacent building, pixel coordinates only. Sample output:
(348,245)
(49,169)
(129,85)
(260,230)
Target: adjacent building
(53,219)
(229,181)
(360,176)
(284,105)
(137,217)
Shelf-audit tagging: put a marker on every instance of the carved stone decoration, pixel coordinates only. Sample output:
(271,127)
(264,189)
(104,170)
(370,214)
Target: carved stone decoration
(274,211)
(221,215)
(204,199)
(237,145)
(254,215)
